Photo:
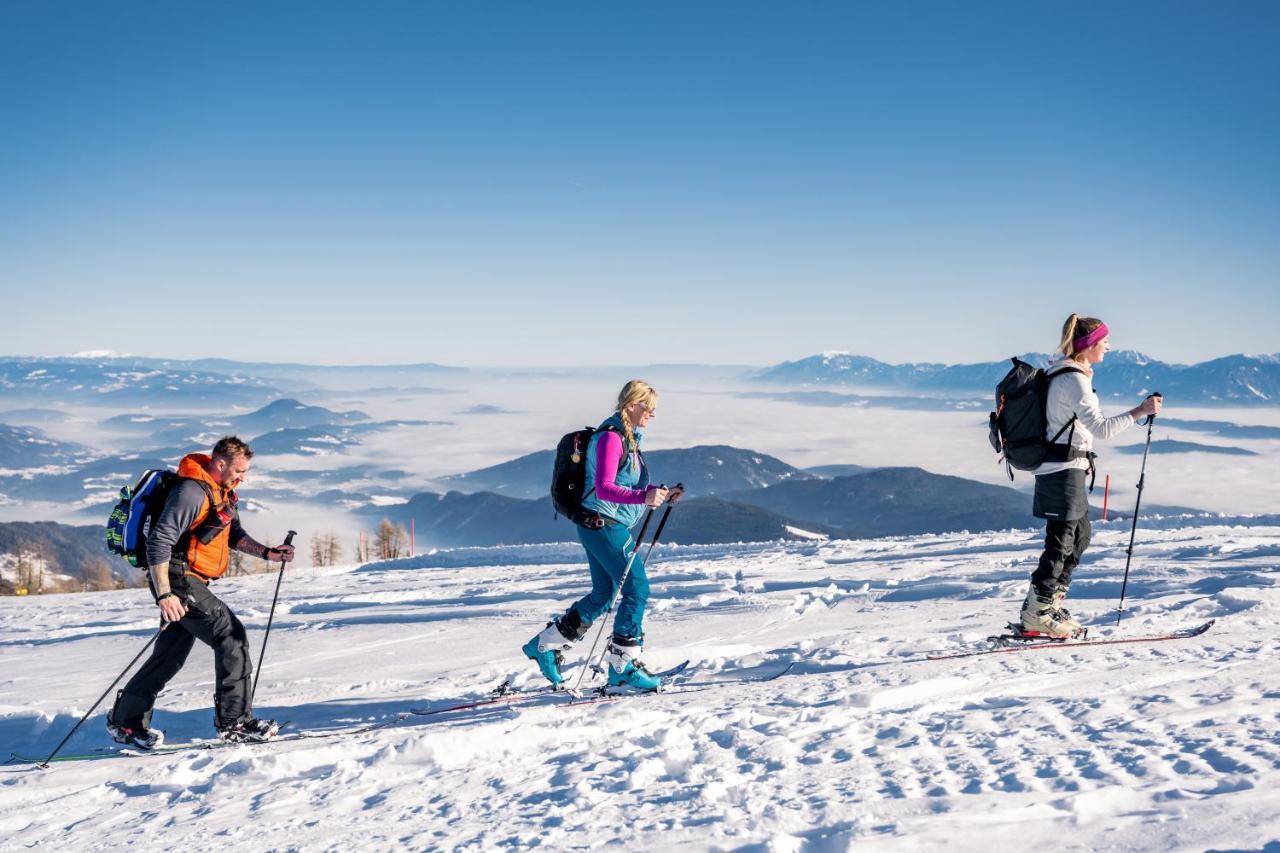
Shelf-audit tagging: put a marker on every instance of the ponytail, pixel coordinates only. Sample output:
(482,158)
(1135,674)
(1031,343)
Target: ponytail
(1075,327)
(626,428)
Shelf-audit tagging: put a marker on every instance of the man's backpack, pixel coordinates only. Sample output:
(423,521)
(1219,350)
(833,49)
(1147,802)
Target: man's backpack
(569,487)
(135,514)
(1020,420)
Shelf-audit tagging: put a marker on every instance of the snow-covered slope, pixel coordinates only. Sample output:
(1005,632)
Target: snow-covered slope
(1163,746)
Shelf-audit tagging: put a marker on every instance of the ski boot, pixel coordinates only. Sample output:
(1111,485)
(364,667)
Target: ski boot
(136,733)
(138,737)
(1060,598)
(546,647)
(1040,618)
(251,730)
(625,668)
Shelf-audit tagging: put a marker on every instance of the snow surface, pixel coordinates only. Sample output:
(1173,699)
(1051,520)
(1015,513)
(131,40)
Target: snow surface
(1169,746)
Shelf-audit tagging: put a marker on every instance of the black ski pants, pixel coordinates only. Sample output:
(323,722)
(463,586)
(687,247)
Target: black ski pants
(1064,544)
(211,622)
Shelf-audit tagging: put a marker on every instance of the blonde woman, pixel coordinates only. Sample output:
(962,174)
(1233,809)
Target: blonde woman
(1061,498)
(618,493)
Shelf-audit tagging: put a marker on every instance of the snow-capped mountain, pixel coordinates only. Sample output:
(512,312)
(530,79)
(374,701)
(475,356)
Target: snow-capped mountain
(169,384)
(1234,379)
(128,382)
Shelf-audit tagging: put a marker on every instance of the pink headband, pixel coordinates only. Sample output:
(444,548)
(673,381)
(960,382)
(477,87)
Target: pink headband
(1085,341)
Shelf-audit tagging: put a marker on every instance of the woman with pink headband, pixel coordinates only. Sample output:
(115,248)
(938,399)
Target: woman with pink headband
(1073,411)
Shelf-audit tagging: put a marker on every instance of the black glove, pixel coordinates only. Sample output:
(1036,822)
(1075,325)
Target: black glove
(282,554)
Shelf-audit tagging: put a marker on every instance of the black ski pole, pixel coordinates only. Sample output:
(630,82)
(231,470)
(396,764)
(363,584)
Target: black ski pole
(1142,479)
(591,663)
(288,540)
(44,764)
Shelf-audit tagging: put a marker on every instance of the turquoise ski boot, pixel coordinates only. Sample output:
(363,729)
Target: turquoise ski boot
(545,650)
(626,670)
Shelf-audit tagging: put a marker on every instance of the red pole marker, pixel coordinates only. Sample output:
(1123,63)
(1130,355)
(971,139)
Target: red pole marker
(1106,491)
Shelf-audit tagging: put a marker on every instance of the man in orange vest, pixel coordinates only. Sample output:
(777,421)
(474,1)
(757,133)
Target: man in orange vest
(188,546)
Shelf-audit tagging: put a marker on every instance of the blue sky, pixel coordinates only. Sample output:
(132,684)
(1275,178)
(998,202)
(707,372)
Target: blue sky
(520,184)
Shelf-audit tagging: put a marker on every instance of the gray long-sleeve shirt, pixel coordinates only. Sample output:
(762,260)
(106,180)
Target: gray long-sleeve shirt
(180,512)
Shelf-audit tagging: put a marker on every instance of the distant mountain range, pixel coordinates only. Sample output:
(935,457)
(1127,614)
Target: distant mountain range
(894,501)
(875,502)
(455,520)
(26,447)
(128,382)
(35,467)
(734,495)
(705,470)
(112,380)
(1125,374)
(169,384)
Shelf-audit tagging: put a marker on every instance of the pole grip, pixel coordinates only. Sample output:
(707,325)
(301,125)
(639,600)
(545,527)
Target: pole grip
(288,540)
(1151,418)
(663,522)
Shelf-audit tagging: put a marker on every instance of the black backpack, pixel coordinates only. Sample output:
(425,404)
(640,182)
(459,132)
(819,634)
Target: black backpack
(569,475)
(1020,420)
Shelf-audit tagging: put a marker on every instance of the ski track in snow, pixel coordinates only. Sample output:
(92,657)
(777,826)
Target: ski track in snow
(1172,745)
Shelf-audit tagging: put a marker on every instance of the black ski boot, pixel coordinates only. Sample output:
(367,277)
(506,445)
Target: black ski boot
(135,733)
(250,731)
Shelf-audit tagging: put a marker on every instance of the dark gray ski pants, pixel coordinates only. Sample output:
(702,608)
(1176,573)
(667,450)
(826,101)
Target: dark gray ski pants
(211,622)
(1064,544)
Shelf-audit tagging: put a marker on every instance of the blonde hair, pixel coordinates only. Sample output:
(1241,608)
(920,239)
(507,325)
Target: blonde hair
(635,391)
(1075,327)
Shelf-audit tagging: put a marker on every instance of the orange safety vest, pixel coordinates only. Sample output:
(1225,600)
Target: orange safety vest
(207,540)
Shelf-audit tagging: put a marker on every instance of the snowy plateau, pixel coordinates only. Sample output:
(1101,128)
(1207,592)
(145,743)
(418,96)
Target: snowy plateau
(864,743)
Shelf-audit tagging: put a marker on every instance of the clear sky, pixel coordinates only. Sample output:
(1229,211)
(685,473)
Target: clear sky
(541,183)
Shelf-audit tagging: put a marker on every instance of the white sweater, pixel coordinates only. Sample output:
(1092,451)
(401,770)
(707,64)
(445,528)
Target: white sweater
(1072,394)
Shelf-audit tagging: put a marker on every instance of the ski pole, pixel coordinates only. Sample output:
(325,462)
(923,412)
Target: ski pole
(288,540)
(591,663)
(1142,479)
(44,764)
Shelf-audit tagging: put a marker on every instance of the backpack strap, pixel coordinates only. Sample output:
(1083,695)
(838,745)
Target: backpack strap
(1069,368)
(621,462)
(1070,453)
(1071,423)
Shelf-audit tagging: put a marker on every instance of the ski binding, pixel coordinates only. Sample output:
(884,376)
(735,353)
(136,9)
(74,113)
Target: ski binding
(1017,636)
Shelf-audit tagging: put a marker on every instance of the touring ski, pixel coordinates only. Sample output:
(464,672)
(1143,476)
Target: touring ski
(604,694)
(504,693)
(1024,645)
(163,749)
